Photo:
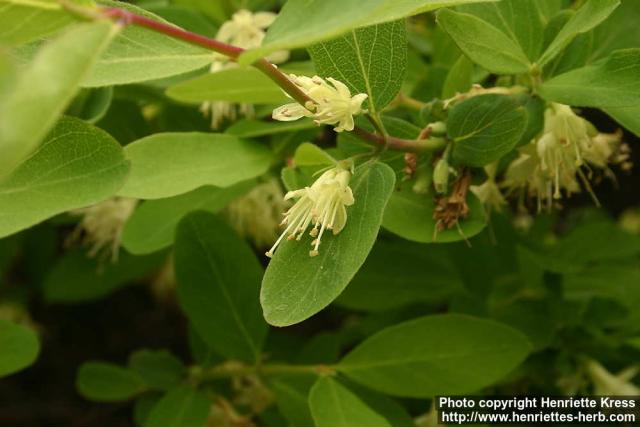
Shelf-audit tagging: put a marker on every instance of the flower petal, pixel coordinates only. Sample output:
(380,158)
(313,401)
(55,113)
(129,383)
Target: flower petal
(290,112)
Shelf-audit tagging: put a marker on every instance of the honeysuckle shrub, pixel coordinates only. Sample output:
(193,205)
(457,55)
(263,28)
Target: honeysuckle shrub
(347,207)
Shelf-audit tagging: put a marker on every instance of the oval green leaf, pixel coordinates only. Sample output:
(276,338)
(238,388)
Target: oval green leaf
(45,88)
(218,286)
(436,355)
(334,405)
(77,165)
(410,216)
(153,223)
(371,60)
(485,128)
(168,164)
(297,286)
(19,347)
(181,407)
(106,382)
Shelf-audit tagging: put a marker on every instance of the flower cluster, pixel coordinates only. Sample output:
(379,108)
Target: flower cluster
(245,30)
(256,215)
(102,224)
(566,154)
(331,103)
(322,205)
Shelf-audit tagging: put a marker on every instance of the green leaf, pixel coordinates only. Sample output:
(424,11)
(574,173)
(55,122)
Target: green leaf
(619,31)
(139,54)
(44,89)
(371,60)
(328,19)
(590,15)
(615,280)
(410,216)
(485,128)
(297,286)
(255,128)
(168,164)
(19,347)
(614,82)
(153,223)
(77,278)
(520,20)
(234,85)
(483,43)
(436,355)
(160,370)
(628,117)
(399,273)
(181,407)
(459,79)
(334,405)
(91,105)
(26,22)
(292,397)
(308,154)
(76,166)
(218,286)
(107,382)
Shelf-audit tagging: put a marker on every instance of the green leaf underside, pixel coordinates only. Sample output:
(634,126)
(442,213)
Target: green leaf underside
(485,128)
(328,19)
(334,405)
(107,382)
(44,89)
(629,117)
(181,407)
(76,166)
(232,85)
(214,268)
(436,355)
(371,60)
(297,286)
(410,216)
(19,347)
(612,83)
(22,23)
(483,43)
(169,164)
(152,225)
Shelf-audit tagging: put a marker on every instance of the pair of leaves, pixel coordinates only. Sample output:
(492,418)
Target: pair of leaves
(76,166)
(507,37)
(169,164)
(328,19)
(44,89)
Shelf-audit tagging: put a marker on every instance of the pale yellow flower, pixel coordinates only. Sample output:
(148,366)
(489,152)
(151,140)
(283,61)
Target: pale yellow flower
(607,384)
(322,205)
(331,103)
(102,224)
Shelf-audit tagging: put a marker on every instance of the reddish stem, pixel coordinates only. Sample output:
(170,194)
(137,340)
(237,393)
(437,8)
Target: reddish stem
(233,52)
